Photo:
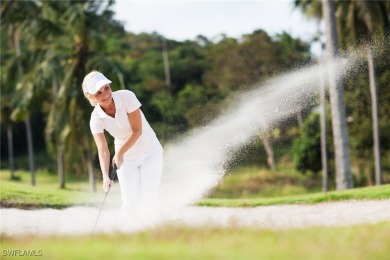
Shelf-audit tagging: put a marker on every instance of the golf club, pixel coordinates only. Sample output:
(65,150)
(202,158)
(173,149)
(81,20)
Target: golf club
(112,177)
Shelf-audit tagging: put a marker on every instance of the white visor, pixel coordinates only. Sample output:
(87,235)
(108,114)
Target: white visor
(96,82)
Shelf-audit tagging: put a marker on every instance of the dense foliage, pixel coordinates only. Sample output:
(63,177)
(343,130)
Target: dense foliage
(307,147)
(60,41)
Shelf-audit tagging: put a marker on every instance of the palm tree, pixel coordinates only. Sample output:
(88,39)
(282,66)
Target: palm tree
(314,10)
(366,20)
(6,102)
(17,17)
(324,155)
(66,40)
(336,91)
(362,20)
(37,30)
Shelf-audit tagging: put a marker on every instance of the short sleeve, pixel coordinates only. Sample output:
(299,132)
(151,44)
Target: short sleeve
(131,102)
(96,125)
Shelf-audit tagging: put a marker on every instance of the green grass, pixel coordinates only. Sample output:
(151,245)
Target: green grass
(254,182)
(368,193)
(21,194)
(47,194)
(173,242)
(43,179)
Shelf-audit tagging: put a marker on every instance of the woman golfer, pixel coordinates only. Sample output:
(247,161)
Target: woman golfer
(138,152)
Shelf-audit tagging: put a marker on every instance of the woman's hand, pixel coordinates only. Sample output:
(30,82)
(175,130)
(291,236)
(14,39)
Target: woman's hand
(106,184)
(118,160)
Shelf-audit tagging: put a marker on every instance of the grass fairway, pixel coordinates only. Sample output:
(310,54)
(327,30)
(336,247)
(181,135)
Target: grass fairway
(254,182)
(369,193)
(169,242)
(21,194)
(16,195)
(45,194)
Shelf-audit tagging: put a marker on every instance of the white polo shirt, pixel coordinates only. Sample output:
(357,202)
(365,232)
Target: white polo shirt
(119,126)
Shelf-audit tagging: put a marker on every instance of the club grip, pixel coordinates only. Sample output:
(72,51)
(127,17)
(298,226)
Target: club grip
(112,174)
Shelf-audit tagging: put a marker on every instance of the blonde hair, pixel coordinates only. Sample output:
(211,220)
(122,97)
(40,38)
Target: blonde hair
(84,86)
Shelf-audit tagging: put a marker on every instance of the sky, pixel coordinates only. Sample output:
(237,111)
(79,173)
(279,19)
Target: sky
(184,20)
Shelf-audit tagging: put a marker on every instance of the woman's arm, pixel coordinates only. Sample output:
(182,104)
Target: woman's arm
(136,131)
(104,158)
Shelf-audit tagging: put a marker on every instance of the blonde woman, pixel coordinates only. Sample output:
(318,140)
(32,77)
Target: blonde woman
(138,153)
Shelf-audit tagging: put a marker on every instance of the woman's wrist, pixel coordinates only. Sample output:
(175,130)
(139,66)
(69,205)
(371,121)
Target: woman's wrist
(120,153)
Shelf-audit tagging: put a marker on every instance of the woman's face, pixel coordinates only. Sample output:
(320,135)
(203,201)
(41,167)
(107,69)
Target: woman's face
(104,95)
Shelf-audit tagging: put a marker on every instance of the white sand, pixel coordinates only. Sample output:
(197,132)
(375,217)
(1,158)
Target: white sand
(80,220)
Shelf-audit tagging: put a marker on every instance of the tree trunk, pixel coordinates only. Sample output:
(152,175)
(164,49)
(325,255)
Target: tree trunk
(336,91)
(166,63)
(10,150)
(269,150)
(30,149)
(27,123)
(375,117)
(324,157)
(91,173)
(385,18)
(60,166)
(60,151)
(374,99)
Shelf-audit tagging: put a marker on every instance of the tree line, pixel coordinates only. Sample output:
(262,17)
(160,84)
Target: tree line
(351,25)
(48,46)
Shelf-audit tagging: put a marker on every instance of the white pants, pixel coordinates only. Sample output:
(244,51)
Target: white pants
(139,180)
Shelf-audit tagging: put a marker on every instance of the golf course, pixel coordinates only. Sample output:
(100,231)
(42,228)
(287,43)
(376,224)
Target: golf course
(294,226)
(202,129)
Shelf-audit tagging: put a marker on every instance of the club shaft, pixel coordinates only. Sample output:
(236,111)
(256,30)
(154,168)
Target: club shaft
(100,212)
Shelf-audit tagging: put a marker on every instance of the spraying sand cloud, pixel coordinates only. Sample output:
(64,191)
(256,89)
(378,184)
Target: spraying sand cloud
(195,164)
